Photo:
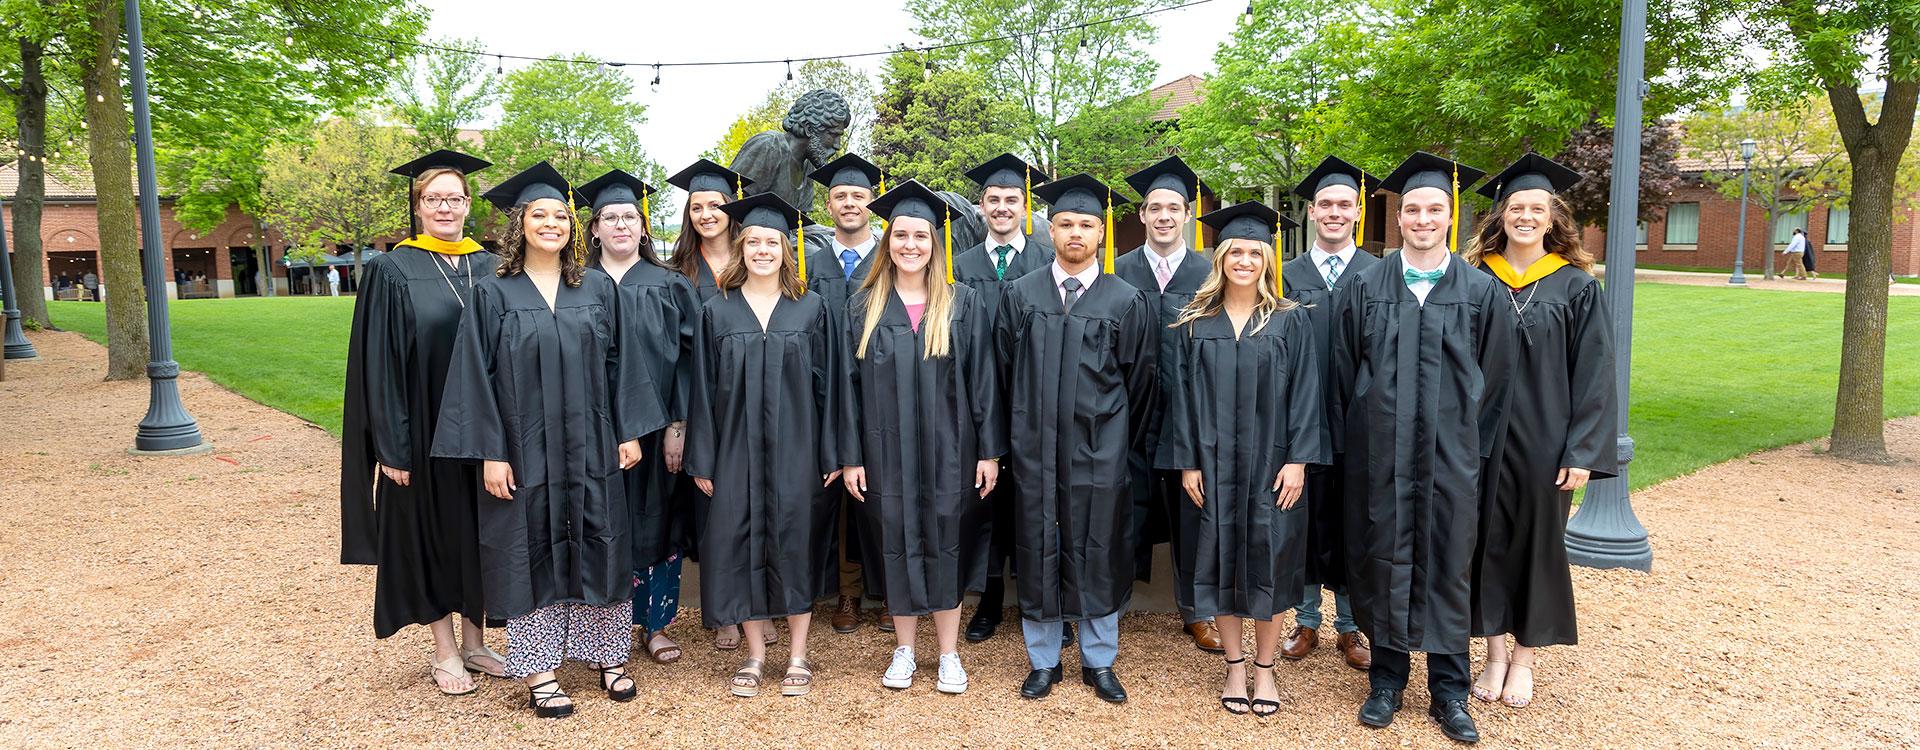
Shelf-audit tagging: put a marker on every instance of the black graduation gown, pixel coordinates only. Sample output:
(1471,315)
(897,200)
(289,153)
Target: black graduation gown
(1240,409)
(688,501)
(1420,389)
(919,426)
(544,390)
(1562,412)
(1326,563)
(1075,382)
(705,280)
(827,278)
(657,308)
(760,426)
(1155,501)
(974,267)
(420,536)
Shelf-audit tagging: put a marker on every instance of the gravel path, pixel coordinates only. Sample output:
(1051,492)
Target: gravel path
(1755,280)
(196,601)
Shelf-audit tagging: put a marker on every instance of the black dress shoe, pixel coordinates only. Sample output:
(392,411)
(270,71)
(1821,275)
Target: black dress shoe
(1454,720)
(1040,683)
(984,623)
(1377,712)
(1105,684)
(1066,639)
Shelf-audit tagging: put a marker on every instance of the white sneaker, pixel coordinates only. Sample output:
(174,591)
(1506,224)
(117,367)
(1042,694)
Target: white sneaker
(899,674)
(953,677)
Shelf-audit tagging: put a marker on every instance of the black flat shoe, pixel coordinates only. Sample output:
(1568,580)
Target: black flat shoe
(1105,684)
(1040,683)
(1454,720)
(613,688)
(984,623)
(1235,706)
(1381,704)
(540,701)
(1262,707)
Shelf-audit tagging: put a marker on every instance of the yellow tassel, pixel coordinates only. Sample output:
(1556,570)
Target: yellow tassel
(578,239)
(1107,265)
(1360,232)
(1453,227)
(948,227)
(1028,176)
(645,219)
(800,231)
(739,189)
(1279,275)
(883,183)
(1199,202)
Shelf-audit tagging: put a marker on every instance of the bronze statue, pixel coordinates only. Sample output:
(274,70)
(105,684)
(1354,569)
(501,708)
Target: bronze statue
(778,161)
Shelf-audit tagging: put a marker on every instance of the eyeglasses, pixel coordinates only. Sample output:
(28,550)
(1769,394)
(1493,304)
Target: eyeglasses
(620,220)
(443,201)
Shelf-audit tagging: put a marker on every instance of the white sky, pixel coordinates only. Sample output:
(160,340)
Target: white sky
(692,106)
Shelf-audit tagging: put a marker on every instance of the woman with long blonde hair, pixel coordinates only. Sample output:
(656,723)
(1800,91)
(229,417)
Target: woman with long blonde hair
(922,427)
(1243,421)
(1559,428)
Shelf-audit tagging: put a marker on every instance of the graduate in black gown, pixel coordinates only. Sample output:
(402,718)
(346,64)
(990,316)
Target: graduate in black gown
(1077,350)
(1011,250)
(1169,271)
(834,271)
(761,443)
(1244,420)
(1421,347)
(1560,421)
(1333,192)
(538,394)
(657,308)
(401,510)
(922,428)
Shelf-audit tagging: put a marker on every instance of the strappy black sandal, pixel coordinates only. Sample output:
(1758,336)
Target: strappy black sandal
(1272,707)
(540,701)
(1235,706)
(613,689)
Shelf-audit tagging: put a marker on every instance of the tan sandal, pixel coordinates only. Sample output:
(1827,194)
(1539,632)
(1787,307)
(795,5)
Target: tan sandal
(746,681)
(796,685)
(452,668)
(1490,696)
(721,641)
(667,654)
(468,657)
(1513,700)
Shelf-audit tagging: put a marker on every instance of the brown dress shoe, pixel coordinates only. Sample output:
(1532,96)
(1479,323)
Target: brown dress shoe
(846,619)
(1354,647)
(1300,643)
(1206,637)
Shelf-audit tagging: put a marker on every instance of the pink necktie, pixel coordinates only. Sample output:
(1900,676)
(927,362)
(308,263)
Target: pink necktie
(1163,272)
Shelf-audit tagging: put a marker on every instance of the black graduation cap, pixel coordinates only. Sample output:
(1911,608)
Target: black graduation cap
(1080,193)
(911,198)
(849,169)
(616,186)
(1423,169)
(1251,220)
(1335,171)
(1006,170)
(1170,174)
(1530,172)
(536,182)
(766,210)
(443,158)
(704,175)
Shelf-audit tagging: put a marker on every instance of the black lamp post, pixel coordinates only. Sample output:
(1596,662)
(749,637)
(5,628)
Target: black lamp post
(17,345)
(1740,245)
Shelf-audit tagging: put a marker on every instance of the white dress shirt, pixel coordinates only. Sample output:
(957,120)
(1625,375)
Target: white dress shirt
(1086,278)
(1421,288)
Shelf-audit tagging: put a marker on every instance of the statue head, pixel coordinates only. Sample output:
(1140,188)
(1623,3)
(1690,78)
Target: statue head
(820,117)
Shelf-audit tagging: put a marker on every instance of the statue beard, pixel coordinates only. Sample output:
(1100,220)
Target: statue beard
(820,149)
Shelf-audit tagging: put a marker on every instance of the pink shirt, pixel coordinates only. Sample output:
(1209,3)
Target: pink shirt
(913,315)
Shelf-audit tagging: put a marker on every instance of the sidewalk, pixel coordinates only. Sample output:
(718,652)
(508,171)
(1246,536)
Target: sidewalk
(1754,281)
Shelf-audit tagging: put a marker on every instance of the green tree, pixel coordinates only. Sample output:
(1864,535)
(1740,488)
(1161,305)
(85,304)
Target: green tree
(443,92)
(1798,159)
(335,190)
(579,116)
(934,125)
(1066,83)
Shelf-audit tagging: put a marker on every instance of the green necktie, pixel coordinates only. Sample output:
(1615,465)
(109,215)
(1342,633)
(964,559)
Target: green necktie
(1413,276)
(1000,265)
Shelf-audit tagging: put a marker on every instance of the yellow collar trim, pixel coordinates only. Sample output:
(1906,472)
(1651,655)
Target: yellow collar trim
(1540,269)
(434,244)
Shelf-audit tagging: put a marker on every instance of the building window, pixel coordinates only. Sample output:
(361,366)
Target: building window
(1783,227)
(1640,234)
(1838,219)
(1683,224)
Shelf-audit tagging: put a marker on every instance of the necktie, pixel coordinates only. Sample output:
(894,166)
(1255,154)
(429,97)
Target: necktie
(1413,276)
(1333,270)
(1163,272)
(848,259)
(1000,265)
(1072,286)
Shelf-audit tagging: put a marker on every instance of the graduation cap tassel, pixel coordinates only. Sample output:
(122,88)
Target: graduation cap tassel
(579,240)
(1199,202)
(800,231)
(1360,231)
(645,219)
(1106,265)
(883,191)
(948,227)
(1028,174)
(739,190)
(1453,223)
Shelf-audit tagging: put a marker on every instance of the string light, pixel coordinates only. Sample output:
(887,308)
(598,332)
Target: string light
(499,65)
(789,70)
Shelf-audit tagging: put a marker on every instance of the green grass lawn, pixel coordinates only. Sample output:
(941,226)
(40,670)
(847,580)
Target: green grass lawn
(1718,373)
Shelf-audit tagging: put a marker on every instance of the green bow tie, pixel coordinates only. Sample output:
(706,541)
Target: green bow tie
(1413,276)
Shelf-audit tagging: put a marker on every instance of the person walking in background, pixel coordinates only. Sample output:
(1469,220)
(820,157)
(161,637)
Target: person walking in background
(333,281)
(1796,252)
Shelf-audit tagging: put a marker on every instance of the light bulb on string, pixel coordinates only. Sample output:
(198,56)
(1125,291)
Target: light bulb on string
(499,65)
(789,70)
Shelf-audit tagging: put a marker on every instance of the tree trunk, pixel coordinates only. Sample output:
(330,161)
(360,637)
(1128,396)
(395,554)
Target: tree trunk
(110,154)
(30,117)
(1859,429)
(263,257)
(1766,240)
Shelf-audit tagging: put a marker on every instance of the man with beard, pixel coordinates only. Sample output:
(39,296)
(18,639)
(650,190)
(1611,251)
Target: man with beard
(1076,348)
(1422,347)
(1008,253)
(779,161)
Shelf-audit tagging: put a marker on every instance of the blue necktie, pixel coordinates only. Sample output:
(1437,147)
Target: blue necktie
(849,259)
(1413,276)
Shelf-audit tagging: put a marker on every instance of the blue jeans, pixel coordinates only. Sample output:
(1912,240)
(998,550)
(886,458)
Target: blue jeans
(1306,614)
(1099,641)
